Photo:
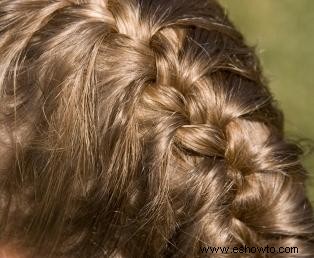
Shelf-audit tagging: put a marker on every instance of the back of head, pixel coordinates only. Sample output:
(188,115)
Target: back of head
(141,128)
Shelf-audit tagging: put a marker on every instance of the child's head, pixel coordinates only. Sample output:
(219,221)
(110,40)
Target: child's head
(141,128)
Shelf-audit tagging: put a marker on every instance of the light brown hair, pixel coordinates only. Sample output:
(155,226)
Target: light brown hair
(141,128)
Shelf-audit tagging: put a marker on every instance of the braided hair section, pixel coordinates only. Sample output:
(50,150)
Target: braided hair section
(152,133)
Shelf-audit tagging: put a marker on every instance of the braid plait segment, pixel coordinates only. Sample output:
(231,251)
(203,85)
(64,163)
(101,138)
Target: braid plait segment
(224,133)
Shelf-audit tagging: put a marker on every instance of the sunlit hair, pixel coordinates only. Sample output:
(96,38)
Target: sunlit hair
(141,128)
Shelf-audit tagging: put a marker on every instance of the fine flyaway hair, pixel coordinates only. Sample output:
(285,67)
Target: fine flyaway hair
(141,128)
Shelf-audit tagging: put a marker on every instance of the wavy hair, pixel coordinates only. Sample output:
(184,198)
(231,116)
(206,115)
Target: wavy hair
(141,128)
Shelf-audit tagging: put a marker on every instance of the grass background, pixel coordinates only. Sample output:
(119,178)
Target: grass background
(283,32)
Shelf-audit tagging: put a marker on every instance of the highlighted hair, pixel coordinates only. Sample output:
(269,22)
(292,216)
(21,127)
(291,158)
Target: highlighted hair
(141,128)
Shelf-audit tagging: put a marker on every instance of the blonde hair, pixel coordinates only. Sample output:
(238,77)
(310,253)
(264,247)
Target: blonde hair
(141,128)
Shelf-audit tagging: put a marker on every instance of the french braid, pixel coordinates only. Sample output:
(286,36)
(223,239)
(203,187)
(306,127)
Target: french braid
(141,128)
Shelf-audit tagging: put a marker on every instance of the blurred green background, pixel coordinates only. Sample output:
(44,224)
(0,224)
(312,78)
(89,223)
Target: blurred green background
(283,32)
